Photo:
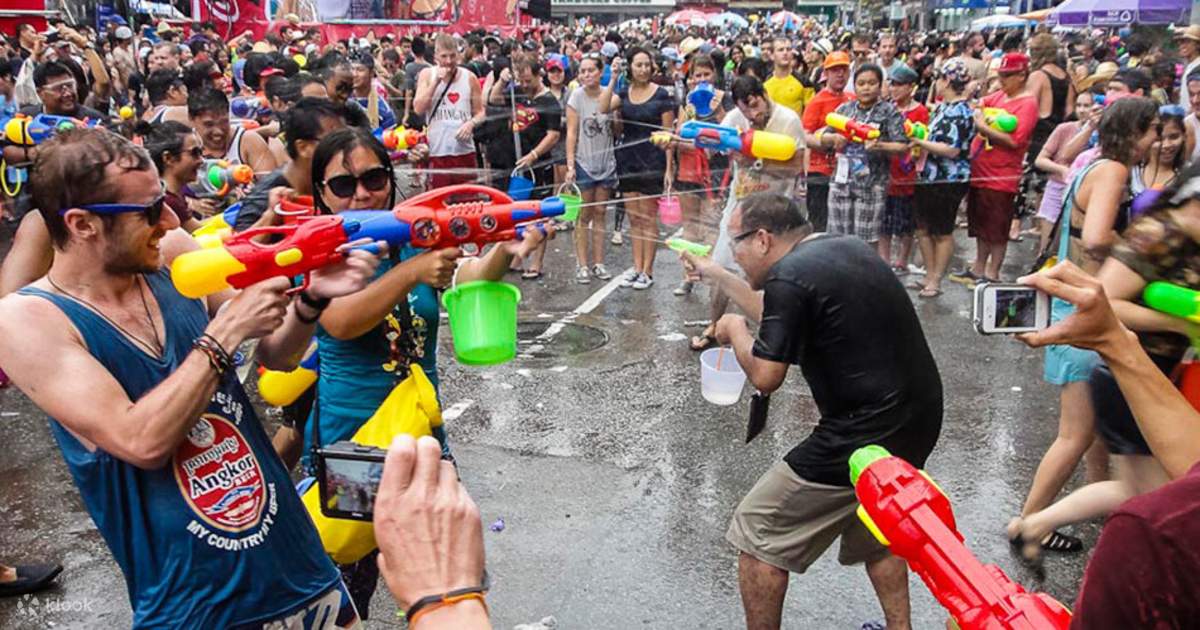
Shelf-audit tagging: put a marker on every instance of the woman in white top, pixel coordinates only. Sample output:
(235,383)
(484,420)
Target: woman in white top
(591,165)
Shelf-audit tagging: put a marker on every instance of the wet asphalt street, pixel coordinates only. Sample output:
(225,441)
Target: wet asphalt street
(614,478)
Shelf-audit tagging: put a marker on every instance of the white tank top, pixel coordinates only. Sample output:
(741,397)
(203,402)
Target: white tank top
(234,154)
(452,111)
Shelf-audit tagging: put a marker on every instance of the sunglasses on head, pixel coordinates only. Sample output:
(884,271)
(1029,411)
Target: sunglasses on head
(152,211)
(343,186)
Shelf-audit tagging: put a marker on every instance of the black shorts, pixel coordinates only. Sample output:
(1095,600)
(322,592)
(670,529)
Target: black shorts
(644,183)
(1114,420)
(937,207)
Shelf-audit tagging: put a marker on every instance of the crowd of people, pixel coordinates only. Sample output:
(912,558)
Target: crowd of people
(1079,141)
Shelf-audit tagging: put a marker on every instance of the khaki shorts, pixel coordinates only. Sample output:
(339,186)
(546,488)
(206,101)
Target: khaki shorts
(789,522)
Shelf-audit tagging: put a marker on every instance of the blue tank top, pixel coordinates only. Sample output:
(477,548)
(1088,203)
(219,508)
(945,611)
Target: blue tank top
(356,375)
(218,537)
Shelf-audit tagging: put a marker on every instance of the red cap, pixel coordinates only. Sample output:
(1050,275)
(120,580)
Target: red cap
(1013,63)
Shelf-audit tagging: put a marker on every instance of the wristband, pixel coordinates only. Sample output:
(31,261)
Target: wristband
(218,357)
(318,304)
(433,602)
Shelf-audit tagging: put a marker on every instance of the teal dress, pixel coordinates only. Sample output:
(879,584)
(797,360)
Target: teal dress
(356,375)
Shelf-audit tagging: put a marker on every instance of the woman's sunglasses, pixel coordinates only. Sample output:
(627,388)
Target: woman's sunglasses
(343,186)
(152,211)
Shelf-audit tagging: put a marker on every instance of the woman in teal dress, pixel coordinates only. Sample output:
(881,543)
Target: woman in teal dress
(368,340)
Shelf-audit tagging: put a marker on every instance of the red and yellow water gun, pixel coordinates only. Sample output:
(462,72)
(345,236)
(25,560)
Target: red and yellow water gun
(434,220)
(851,129)
(400,139)
(906,511)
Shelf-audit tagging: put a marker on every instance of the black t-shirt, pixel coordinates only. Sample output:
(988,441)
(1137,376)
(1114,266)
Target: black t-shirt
(834,308)
(535,118)
(254,204)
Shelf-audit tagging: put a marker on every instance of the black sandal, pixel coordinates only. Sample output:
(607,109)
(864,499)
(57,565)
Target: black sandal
(30,579)
(1062,543)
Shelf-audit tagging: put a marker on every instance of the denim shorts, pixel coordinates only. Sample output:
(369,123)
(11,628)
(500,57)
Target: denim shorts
(585,181)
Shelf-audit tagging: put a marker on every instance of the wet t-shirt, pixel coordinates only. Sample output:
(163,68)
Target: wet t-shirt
(833,307)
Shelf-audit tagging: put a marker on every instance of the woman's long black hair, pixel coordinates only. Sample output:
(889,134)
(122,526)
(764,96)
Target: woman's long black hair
(344,141)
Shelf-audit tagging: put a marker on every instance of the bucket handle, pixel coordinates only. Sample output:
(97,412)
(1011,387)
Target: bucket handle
(573,185)
(532,175)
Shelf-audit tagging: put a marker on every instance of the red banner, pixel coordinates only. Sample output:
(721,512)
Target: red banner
(14,12)
(339,19)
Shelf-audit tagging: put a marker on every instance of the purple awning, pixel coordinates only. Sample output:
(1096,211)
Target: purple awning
(1119,12)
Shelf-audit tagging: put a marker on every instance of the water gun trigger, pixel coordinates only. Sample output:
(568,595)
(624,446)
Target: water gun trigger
(871,526)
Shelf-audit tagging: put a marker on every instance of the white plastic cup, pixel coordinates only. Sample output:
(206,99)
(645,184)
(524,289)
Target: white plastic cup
(721,385)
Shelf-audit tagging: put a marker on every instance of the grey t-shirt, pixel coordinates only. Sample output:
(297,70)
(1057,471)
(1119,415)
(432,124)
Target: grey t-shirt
(594,149)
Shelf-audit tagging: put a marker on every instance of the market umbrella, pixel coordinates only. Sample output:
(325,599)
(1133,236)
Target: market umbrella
(688,17)
(786,19)
(1036,16)
(998,21)
(728,19)
(1119,12)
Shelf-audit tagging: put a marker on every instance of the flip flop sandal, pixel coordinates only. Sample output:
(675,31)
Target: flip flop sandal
(929,293)
(916,285)
(30,578)
(531,275)
(706,342)
(1062,543)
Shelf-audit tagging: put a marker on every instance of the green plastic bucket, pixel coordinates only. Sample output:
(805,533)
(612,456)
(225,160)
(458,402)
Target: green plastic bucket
(570,201)
(483,321)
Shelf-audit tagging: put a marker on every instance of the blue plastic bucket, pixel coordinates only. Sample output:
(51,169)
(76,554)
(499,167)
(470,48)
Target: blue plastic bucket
(520,188)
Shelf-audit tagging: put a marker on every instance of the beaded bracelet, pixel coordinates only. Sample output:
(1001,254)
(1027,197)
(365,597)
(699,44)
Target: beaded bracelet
(218,358)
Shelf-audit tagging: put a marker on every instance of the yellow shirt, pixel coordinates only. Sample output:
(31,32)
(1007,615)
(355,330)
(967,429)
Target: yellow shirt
(787,91)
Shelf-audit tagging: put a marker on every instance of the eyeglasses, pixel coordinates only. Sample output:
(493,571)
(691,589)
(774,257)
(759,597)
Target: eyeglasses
(344,186)
(152,211)
(197,152)
(62,87)
(733,242)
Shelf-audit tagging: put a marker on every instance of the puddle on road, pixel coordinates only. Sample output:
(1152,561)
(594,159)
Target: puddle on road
(536,340)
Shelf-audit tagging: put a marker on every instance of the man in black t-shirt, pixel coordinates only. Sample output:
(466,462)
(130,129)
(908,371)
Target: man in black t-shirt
(830,305)
(538,122)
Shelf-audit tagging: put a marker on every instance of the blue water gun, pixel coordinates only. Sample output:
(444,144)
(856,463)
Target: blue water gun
(700,99)
(249,108)
(26,131)
(752,143)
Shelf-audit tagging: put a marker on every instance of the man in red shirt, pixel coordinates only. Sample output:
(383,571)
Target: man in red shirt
(996,169)
(897,225)
(820,165)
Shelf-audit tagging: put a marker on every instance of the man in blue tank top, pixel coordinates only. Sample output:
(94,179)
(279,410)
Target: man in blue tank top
(160,438)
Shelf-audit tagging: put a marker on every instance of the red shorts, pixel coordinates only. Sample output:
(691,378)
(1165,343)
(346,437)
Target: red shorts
(463,170)
(989,214)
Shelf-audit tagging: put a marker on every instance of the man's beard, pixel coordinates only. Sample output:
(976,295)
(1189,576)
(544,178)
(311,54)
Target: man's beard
(123,262)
